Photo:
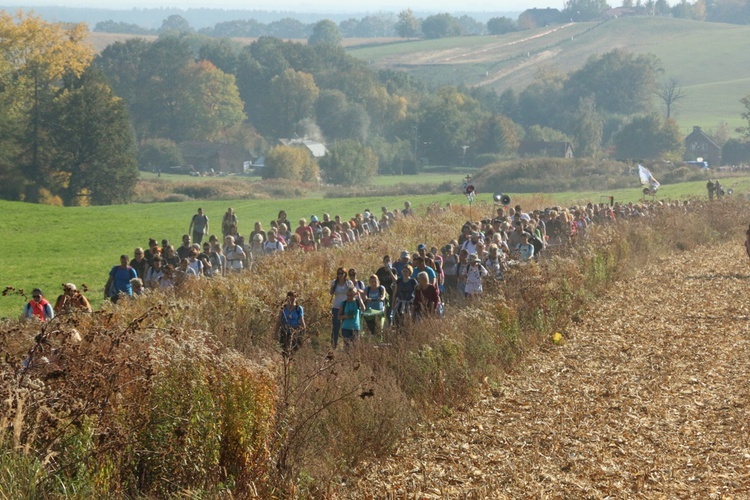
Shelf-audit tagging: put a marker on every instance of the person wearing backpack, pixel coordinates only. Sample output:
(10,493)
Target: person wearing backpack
(387,277)
(358,284)
(375,300)
(350,313)
(198,226)
(290,325)
(339,286)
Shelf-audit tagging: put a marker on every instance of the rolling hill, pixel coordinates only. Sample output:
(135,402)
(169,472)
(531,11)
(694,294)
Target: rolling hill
(711,61)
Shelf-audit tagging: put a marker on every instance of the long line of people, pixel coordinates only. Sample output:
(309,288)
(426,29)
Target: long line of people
(413,287)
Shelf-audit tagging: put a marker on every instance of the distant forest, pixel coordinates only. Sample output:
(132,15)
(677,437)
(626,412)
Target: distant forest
(152,19)
(408,24)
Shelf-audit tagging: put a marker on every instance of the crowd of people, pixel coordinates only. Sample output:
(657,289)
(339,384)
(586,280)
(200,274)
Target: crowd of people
(162,265)
(413,286)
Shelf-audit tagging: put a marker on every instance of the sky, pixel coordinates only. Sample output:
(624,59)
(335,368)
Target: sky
(308,5)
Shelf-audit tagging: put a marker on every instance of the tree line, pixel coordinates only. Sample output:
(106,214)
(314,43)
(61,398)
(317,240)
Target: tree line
(407,24)
(288,89)
(74,124)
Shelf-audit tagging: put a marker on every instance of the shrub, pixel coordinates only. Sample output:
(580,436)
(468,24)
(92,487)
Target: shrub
(290,162)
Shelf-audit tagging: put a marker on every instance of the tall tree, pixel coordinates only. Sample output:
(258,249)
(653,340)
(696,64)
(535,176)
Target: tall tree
(325,32)
(94,145)
(447,123)
(670,92)
(340,119)
(161,83)
(649,137)
(441,26)
(211,102)
(407,25)
(35,56)
(293,95)
(501,25)
(541,102)
(587,128)
(175,24)
(12,182)
(622,82)
(745,131)
(223,53)
(584,10)
(349,162)
(497,134)
(122,63)
(374,26)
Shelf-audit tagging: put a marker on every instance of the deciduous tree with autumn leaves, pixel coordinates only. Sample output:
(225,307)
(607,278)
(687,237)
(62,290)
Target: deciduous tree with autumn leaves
(66,137)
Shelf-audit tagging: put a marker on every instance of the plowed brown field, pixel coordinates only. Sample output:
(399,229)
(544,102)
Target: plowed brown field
(648,396)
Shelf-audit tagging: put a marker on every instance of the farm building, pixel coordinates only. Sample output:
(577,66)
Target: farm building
(204,156)
(317,149)
(699,145)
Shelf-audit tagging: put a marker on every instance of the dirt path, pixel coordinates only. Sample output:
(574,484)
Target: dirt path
(647,397)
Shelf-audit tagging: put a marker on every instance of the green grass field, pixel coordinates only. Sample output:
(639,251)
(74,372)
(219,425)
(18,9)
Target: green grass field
(422,178)
(48,246)
(190,178)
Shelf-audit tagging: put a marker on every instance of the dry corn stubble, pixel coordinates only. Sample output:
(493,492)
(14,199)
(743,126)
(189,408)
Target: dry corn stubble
(648,396)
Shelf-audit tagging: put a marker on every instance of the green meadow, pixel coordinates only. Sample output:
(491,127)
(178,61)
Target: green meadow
(47,246)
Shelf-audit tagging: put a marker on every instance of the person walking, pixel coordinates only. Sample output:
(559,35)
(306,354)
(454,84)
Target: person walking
(339,286)
(290,325)
(38,307)
(119,280)
(350,313)
(71,300)
(198,226)
(229,223)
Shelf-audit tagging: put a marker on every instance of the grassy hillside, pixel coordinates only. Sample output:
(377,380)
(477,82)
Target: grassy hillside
(710,60)
(48,246)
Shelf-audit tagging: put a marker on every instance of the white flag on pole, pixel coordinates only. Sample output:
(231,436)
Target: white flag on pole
(647,178)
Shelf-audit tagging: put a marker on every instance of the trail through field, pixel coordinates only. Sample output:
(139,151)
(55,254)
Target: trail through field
(463,55)
(647,396)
